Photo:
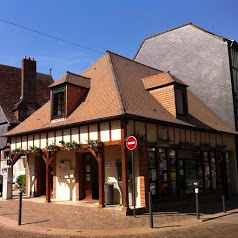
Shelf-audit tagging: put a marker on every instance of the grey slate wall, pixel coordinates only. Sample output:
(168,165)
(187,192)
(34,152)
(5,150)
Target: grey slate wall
(199,59)
(3,128)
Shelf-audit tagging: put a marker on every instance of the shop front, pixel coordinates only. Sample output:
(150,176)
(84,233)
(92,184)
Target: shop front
(173,171)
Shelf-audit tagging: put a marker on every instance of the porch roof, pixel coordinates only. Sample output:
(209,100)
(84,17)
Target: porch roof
(116,89)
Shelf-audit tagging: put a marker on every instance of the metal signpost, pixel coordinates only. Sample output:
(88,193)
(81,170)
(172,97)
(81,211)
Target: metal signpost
(131,143)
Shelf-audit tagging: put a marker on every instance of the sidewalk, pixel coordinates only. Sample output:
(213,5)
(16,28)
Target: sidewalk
(85,219)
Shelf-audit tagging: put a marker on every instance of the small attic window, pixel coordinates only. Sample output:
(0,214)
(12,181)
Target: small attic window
(181,101)
(58,102)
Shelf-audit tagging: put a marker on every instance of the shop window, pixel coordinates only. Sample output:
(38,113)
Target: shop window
(190,171)
(58,102)
(173,171)
(164,185)
(213,171)
(152,170)
(207,172)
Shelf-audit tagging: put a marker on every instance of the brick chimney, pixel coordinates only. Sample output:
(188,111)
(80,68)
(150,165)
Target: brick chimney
(28,80)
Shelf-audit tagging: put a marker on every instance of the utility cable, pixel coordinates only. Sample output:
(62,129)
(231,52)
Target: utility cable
(54,37)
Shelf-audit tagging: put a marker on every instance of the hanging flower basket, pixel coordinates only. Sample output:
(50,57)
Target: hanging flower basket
(70,145)
(52,147)
(204,146)
(34,149)
(95,143)
(220,148)
(18,151)
(163,142)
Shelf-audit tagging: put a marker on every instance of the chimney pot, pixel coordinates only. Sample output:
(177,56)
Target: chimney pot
(29,58)
(24,57)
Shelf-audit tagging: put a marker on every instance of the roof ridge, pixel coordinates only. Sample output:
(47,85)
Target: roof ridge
(116,82)
(79,75)
(132,60)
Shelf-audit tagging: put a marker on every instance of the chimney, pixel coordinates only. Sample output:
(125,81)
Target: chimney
(28,80)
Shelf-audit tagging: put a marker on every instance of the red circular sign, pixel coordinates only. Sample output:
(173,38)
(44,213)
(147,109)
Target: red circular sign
(131,143)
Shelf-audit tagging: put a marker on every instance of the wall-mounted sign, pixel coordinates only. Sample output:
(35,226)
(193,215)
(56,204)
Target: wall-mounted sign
(31,169)
(64,169)
(109,164)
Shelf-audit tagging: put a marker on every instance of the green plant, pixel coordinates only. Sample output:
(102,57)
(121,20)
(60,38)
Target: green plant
(220,147)
(34,149)
(204,146)
(185,144)
(70,145)
(18,151)
(164,141)
(140,138)
(21,182)
(94,143)
(52,147)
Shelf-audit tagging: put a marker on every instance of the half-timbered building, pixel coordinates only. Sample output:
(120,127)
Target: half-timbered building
(75,143)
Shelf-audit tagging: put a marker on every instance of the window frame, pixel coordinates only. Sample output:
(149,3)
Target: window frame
(55,102)
(183,91)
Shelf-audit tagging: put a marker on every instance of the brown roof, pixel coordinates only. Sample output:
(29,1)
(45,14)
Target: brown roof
(10,82)
(117,89)
(160,79)
(73,78)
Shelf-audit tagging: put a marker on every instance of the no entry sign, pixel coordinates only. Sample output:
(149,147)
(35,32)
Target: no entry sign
(131,143)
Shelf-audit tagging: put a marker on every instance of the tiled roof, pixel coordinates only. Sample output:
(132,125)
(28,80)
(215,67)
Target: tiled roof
(160,80)
(117,89)
(10,82)
(73,79)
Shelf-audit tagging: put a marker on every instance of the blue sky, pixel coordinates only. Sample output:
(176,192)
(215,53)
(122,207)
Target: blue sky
(116,25)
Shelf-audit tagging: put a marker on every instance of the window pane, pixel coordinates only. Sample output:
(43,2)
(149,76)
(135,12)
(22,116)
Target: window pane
(179,101)
(59,103)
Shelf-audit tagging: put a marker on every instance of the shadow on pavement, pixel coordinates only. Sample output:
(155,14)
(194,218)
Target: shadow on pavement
(34,222)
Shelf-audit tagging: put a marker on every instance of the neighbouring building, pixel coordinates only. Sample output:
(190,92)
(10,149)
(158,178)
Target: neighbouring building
(180,140)
(23,91)
(207,62)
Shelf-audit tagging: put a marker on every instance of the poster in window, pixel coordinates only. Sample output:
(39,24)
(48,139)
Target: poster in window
(151,158)
(173,176)
(153,174)
(164,164)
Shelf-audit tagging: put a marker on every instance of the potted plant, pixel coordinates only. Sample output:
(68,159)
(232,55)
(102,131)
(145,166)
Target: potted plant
(18,151)
(164,142)
(94,143)
(140,138)
(70,145)
(34,149)
(52,147)
(220,147)
(204,146)
(186,145)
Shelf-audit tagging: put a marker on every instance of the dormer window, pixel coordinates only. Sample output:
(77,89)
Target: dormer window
(181,101)
(59,102)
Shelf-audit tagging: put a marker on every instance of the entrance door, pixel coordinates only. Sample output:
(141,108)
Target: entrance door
(90,176)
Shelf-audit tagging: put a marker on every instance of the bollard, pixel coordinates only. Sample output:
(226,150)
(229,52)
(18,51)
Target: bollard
(223,204)
(20,208)
(197,203)
(150,209)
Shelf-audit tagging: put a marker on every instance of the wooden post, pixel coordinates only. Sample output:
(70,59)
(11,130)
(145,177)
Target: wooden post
(101,176)
(47,166)
(124,168)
